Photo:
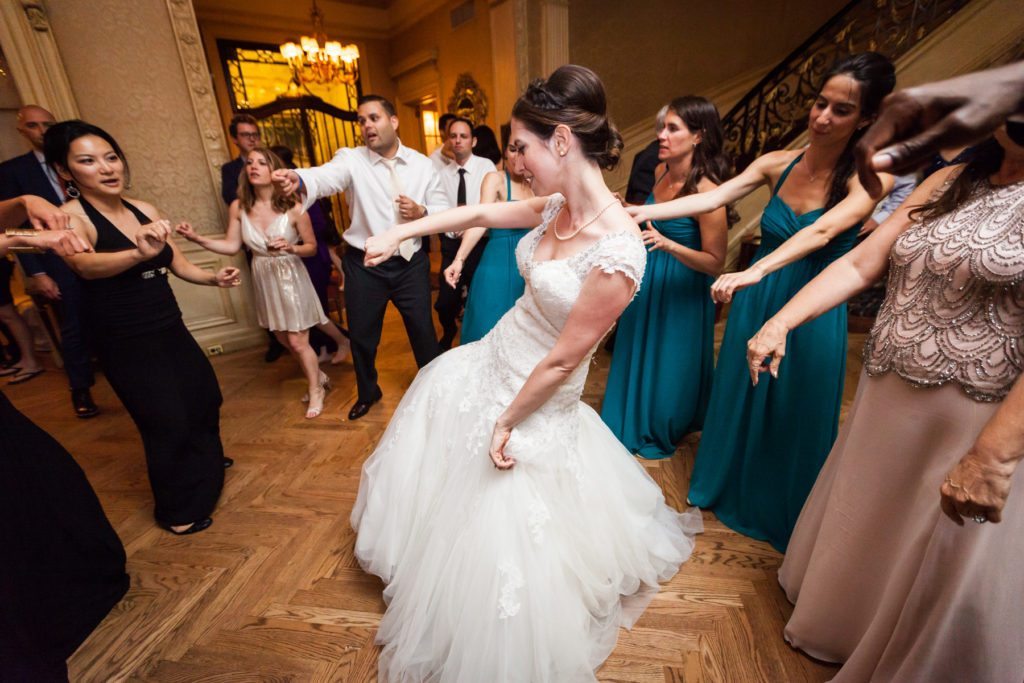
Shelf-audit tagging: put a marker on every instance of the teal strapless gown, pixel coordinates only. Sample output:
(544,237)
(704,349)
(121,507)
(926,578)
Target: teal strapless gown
(762,447)
(660,377)
(497,284)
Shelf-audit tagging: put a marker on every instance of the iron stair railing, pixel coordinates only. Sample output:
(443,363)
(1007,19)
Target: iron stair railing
(774,113)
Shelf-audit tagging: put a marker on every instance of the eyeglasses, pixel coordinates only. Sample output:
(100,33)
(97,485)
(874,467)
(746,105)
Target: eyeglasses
(250,136)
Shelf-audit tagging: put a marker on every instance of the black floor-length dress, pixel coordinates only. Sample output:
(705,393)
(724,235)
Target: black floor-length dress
(62,566)
(161,376)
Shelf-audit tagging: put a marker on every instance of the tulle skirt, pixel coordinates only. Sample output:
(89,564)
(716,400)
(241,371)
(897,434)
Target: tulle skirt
(507,576)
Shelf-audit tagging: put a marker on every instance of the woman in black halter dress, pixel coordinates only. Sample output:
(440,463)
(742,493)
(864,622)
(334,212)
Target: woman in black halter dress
(149,357)
(63,566)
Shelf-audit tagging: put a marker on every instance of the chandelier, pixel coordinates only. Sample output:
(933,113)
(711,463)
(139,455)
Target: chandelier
(318,60)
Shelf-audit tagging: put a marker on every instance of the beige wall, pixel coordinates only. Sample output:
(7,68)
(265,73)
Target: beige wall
(135,69)
(648,52)
(461,50)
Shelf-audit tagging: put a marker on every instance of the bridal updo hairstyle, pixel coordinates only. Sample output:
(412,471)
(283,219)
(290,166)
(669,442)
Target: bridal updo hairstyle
(572,96)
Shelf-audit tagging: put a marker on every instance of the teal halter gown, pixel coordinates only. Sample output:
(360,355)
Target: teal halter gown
(762,447)
(660,377)
(497,284)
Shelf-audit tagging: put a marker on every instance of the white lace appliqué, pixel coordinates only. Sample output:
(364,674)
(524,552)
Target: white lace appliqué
(512,581)
(539,515)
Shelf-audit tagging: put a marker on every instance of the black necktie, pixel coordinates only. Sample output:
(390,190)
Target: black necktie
(460,198)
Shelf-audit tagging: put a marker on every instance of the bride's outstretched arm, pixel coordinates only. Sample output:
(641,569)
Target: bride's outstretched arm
(380,248)
(603,298)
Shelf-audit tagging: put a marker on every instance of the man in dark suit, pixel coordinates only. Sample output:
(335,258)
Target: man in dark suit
(245,132)
(49,278)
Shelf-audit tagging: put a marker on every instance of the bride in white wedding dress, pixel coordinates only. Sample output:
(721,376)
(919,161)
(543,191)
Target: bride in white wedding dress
(521,566)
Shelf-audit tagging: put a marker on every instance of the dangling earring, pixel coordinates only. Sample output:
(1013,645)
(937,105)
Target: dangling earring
(71,191)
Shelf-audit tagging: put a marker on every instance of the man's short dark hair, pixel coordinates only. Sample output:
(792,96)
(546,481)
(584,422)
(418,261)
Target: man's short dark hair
(384,102)
(240,118)
(445,119)
(462,119)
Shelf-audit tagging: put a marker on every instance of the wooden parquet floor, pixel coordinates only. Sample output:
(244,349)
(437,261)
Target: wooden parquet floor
(272,592)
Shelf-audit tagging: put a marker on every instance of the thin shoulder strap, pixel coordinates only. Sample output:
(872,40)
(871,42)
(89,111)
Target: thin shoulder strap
(785,174)
(143,218)
(508,186)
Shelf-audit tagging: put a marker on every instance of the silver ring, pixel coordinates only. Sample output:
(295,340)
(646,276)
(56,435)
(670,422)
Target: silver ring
(980,518)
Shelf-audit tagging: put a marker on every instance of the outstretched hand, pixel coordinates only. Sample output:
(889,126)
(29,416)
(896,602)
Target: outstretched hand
(378,249)
(726,286)
(638,212)
(453,273)
(186,230)
(228,277)
(61,242)
(917,122)
(286,179)
(768,344)
(43,215)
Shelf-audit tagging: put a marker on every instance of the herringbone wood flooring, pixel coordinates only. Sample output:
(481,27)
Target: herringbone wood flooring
(272,591)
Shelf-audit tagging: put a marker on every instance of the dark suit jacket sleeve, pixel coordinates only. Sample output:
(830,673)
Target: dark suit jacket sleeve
(10,187)
(229,181)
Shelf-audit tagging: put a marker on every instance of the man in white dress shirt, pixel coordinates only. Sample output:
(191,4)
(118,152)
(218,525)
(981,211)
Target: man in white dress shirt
(385,183)
(462,178)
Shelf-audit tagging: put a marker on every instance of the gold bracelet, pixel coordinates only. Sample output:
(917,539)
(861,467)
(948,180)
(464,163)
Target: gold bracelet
(20,232)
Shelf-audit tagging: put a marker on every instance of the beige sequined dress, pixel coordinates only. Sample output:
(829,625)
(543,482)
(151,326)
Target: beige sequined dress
(880,578)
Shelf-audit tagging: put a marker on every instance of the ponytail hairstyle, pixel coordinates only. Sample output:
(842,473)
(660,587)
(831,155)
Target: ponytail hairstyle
(572,96)
(876,76)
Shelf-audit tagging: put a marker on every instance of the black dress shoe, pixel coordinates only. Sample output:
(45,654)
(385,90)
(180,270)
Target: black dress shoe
(227,462)
(85,408)
(194,528)
(363,407)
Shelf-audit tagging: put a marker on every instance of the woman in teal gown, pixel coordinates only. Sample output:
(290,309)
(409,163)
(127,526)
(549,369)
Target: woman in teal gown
(497,283)
(660,376)
(762,446)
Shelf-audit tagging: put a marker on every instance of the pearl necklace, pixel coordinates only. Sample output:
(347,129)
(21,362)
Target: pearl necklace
(554,223)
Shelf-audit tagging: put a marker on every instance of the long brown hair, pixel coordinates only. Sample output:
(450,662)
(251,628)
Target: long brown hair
(986,158)
(247,194)
(876,76)
(699,115)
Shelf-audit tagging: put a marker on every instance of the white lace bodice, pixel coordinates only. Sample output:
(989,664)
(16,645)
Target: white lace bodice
(521,339)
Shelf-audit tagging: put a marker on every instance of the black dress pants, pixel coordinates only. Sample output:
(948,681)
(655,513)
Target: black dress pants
(406,284)
(449,299)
